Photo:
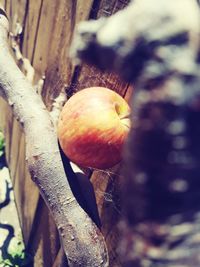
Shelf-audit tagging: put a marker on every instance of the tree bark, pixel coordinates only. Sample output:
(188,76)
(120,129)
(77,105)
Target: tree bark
(156,45)
(82,241)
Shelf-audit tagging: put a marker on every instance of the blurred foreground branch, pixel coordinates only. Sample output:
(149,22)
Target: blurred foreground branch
(155,44)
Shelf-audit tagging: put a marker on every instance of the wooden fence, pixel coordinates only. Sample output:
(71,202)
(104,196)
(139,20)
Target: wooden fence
(47,30)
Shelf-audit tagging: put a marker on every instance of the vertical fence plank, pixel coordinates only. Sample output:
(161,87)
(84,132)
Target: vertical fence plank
(51,48)
(44,245)
(33,12)
(59,66)
(3,105)
(48,30)
(14,149)
(26,193)
(44,35)
(106,183)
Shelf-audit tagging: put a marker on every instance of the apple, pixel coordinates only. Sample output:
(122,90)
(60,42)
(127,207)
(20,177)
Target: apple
(93,126)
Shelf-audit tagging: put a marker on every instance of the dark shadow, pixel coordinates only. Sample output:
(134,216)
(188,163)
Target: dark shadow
(3,161)
(82,189)
(14,259)
(4,247)
(7,196)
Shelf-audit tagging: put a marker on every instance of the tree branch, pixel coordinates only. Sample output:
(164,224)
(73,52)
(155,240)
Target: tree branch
(82,241)
(156,45)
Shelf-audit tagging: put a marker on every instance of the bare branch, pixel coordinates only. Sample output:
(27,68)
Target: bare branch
(82,241)
(156,45)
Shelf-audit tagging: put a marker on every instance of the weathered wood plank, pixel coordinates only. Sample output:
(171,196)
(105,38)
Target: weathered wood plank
(8,130)
(57,37)
(3,105)
(15,11)
(49,27)
(45,242)
(6,115)
(59,66)
(26,203)
(60,260)
(44,35)
(90,76)
(26,192)
(105,184)
(31,28)
(19,179)
(14,149)
(16,14)
(51,47)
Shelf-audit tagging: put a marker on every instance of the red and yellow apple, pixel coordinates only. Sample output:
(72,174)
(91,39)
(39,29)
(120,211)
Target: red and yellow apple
(93,126)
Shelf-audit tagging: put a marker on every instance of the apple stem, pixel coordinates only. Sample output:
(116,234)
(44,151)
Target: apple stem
(155,45)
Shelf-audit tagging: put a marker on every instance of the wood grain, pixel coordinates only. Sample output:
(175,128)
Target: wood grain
(47,35)
(59,69)
(45,242)
(106,184)
(33,12)
(25,191)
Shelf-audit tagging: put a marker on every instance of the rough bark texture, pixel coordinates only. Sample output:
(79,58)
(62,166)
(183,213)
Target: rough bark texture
(82,241)
(156,45)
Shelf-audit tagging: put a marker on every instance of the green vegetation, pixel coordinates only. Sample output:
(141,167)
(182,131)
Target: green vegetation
(12,252)
(16,260)
(16,256)
(2,143)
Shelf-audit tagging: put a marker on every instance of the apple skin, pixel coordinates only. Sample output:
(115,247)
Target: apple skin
(93,126)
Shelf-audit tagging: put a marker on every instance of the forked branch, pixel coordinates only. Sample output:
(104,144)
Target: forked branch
(82,241)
